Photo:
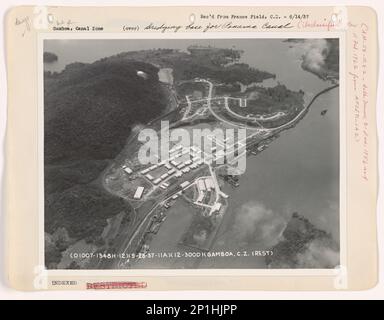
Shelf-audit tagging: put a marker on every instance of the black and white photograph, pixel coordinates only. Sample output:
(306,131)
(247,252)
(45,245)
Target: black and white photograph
(191,153)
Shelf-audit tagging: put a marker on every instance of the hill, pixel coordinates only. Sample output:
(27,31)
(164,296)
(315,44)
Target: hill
(88,113)
(304,246)
(220,65)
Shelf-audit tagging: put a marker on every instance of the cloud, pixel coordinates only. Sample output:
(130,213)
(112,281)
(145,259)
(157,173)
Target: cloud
(316,51)
(319,254)
(313,53)
(328,219)
(254,223)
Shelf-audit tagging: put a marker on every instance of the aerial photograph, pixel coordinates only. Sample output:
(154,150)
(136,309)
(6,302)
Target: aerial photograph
(191,153)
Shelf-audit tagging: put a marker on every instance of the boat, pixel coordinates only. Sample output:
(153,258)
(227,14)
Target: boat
(324,112)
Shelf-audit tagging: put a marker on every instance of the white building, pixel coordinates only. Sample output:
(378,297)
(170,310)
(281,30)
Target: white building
(216,207)
(243,103)
(149,176)
(163,176)
(184,184)
(201,185)
(200,197)
(138,193)
(127,170)
(209,183)
(157,181)
(168,166)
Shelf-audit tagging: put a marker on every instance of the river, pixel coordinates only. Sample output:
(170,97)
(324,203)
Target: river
(298,172)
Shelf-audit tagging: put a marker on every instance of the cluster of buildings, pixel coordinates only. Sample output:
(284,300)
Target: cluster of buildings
(139,190)
(204,185)
(182,160)
(226,148)
(174,166)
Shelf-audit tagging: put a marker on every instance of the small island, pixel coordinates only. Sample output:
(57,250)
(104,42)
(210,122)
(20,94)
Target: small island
(50,57)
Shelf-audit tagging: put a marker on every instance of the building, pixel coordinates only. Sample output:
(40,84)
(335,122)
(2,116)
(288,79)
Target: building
(184,184)
(149,176)
(175,148)
(168,166)
(243,103)
(220,154)
(138,193)
(201,185)
(174,154)
(127,170)
(216,207)
(209,183)
(200,197)
(157,181)
(163,176)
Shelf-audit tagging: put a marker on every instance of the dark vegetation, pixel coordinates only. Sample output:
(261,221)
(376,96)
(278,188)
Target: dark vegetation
(199,224)
(297,237)
(278,98)
(220,65)
(49,57)
(89,110)
(332,58)
(267,101)
(227,89)
(189,88)
(217,56)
